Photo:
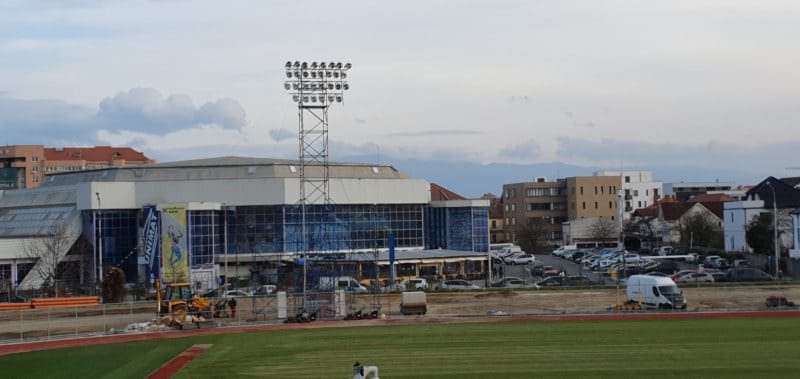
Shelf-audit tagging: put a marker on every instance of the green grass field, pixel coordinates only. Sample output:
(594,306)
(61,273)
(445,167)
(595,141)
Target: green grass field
(743,348)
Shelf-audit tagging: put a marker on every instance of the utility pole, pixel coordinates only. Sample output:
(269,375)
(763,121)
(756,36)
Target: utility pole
(100,236)
(775,228)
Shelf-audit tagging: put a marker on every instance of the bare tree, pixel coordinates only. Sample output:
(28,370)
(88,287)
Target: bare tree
(533,235)
(603,229)
(700,231)
(48,252)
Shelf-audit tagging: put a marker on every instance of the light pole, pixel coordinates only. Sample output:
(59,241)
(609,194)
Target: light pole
(100,237)
(314,87)
(775,227)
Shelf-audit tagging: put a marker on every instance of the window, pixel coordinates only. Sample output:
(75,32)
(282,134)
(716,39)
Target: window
(559,206)
(513,207)
(612,218)
(581,190)
(539,206)
(601,190)
(610,190)
(627,179)
(647,192)
(494,224)
(635,192)
(595,190)
(595,205)
(584,205)
(34,159)
(732,217)
(640,204)
(610,205)
(508,208)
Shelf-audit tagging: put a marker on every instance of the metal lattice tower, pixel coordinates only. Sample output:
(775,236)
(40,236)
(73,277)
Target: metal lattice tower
(314,87)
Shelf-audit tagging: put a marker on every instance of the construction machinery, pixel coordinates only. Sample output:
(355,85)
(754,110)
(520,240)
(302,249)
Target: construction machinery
(178,305)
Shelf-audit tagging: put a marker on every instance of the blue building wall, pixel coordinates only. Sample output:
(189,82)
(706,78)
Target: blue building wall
(457,228)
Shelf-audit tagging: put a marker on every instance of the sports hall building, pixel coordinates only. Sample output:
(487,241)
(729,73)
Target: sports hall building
(202,217)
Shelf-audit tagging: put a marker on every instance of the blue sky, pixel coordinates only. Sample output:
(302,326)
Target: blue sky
(594,83)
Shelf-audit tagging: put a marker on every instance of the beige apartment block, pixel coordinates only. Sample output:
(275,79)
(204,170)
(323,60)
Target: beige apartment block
(593,196)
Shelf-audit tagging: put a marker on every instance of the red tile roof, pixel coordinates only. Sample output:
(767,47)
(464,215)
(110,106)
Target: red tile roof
(96,154)
(439,193)
(674,211)
(715,198)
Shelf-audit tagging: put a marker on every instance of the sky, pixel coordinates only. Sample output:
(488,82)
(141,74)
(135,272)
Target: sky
(595,83)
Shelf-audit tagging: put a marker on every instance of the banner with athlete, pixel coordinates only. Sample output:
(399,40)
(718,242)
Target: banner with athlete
(174,251)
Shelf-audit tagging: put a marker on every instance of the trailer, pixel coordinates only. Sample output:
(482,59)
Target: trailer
(414,303)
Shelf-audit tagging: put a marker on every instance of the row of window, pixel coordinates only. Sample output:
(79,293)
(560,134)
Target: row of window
(599,190)
(551,191)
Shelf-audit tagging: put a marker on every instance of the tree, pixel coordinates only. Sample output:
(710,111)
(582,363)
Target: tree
(603,229)
(48,251)
(698,230)
(760,232)
(532,235)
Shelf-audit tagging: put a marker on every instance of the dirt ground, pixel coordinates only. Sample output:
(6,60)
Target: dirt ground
(727,298)
(44,324)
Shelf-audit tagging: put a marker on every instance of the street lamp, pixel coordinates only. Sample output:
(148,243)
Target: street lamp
(775,227)
(100,237)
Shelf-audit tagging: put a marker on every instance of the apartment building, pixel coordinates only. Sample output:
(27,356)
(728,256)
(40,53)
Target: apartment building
(685,191)
(542,203)
(639,189)
(593,196)
(25,166)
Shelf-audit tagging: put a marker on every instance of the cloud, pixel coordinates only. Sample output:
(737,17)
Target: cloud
(526,151)
(32,121)
(139,110)
(764,158)
(444,132)
(282,134)
(146,110)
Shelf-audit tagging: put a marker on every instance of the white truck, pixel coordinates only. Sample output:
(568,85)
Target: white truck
(345,283)
(655,292)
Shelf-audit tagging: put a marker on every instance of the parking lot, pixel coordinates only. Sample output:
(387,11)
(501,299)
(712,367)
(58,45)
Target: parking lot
(528,273)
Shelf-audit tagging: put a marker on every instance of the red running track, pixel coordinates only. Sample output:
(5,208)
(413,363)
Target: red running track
(176,364)
(101,340)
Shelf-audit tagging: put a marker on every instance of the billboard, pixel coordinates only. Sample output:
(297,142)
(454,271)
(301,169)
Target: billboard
(174,252)
(150,238)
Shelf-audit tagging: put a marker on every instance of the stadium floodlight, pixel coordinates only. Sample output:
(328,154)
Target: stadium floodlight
(317,82)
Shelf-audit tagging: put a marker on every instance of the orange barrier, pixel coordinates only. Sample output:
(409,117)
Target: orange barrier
(62,302)
(14,306)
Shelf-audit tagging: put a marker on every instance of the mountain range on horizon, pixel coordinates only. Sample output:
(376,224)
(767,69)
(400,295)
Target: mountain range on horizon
(472,179)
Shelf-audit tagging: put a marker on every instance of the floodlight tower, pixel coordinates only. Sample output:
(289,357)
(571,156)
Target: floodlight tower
(314,87)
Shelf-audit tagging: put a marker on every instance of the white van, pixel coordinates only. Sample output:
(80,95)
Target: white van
(655,292)
(347,283)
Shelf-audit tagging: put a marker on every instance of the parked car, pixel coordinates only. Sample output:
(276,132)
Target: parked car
(457,284)
(656,273)
(748,275)
(578,255)
(666,265)
(719,275)
(266,289)
(553,281)
(420,284)
(695,277)
(510,282)
(236,293)
(550,271)
(523,259)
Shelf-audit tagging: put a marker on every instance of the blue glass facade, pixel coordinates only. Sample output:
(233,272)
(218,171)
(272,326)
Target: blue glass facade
(278,228)
(457,228)
(119,237)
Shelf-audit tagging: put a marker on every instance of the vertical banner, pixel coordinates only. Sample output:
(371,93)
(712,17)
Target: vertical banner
(150,238)
(174,252)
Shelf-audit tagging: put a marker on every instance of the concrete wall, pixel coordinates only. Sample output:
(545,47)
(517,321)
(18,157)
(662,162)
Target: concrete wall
(260,191)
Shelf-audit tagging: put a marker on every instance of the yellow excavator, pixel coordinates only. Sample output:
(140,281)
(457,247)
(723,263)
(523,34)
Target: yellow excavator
(178,305)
